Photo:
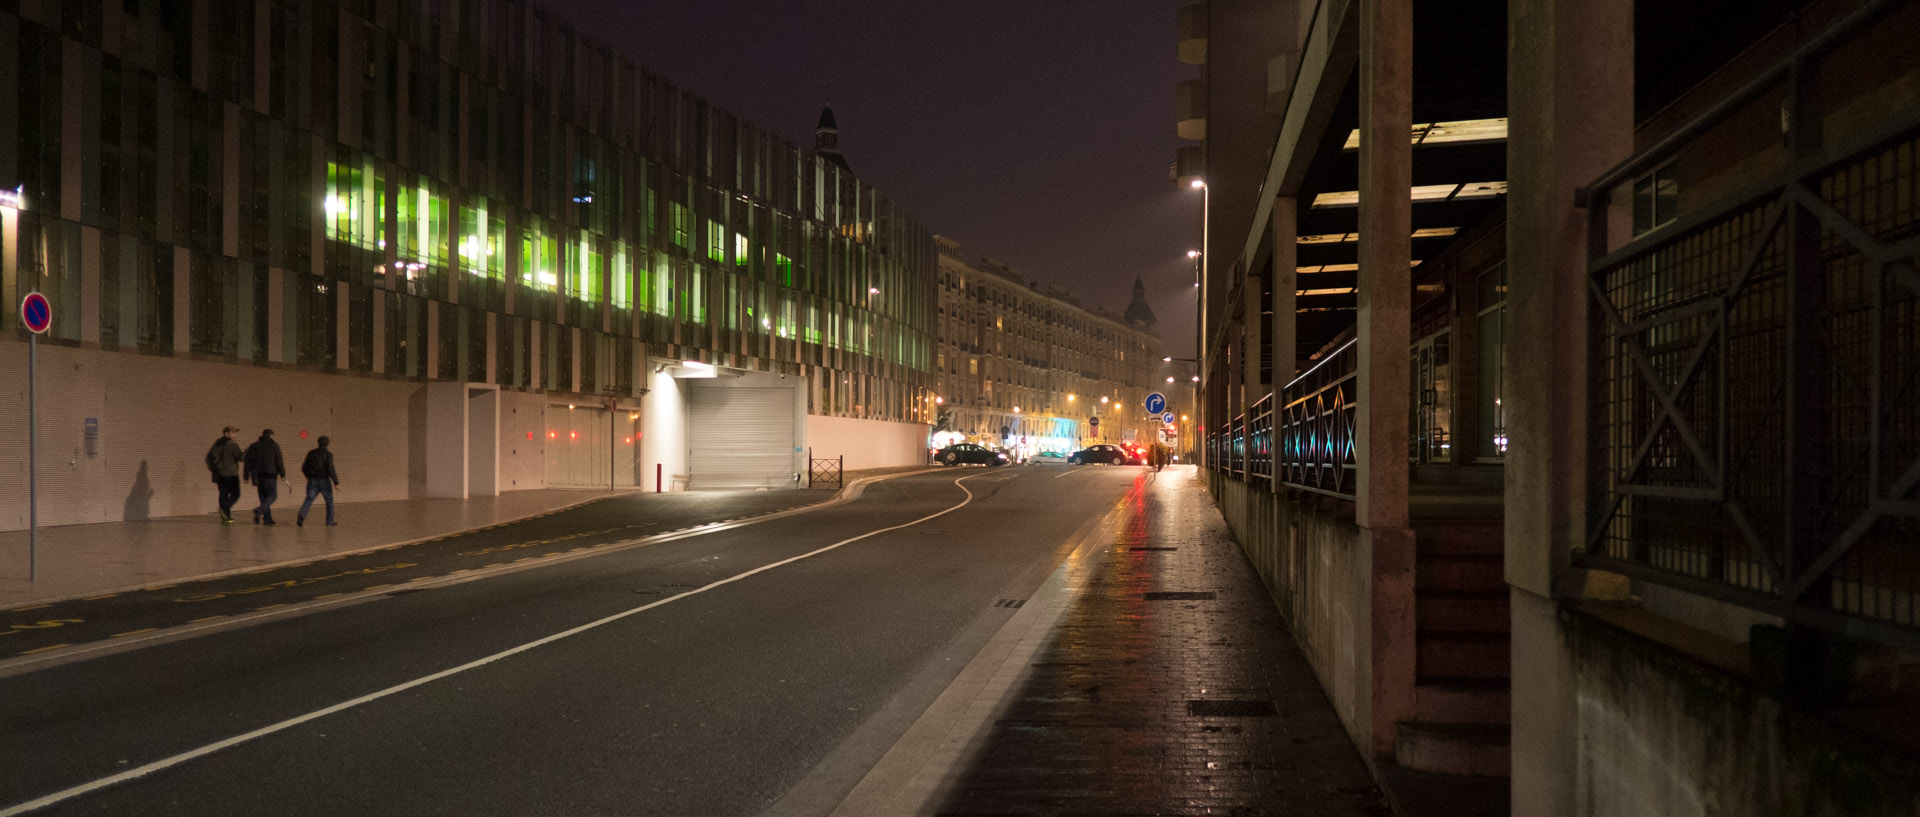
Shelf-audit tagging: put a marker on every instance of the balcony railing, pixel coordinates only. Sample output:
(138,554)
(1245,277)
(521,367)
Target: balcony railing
(1755,387)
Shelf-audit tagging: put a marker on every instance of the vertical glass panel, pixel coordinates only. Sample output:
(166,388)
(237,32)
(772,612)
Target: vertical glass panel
(353,205)
(483,238)
(1493,345)
(621,285)
(539,259)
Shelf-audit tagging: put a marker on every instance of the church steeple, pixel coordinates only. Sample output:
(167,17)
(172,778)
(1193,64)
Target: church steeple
(826,138)
(1138,311)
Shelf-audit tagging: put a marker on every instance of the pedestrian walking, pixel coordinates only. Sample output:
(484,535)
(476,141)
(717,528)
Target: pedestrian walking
(264,468)
(321,480)
(223,461)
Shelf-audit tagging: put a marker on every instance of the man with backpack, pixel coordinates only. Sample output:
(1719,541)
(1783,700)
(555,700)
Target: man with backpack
(264,468)
(223,460)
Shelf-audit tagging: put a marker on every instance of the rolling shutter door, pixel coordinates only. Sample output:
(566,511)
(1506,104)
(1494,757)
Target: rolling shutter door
(741,438)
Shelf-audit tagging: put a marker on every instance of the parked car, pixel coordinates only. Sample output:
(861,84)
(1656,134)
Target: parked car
(964,453)
(1107,453)
(1049,456)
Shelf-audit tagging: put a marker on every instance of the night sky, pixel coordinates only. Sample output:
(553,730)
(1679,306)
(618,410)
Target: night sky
(1038,133)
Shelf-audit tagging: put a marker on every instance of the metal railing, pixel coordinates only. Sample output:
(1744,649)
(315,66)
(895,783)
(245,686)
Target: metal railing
(1755,387)
(823,473)
(1315,427)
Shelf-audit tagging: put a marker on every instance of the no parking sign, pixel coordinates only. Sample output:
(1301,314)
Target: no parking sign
(35,313)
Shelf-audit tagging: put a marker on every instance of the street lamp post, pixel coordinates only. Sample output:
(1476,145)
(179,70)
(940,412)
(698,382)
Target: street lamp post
(1187,432)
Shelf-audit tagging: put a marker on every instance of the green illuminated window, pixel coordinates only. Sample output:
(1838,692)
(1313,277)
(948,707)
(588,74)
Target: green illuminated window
(583,268)
(716,241)
(483,242)
(423,226)
(662,285)
(682,225)
(784,265)
(740,249)
(622,275)
(539,260)
(354,205)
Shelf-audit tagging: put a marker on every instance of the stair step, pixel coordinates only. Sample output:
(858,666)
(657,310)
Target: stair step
(1461,571)
(1454,748)
(1460,537)
(1463,611)
(1463,654)
(1463,700)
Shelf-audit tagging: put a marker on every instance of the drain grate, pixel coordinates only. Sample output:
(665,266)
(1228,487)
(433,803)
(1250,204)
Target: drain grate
(1230,709)
(1179,595)
(1011,604)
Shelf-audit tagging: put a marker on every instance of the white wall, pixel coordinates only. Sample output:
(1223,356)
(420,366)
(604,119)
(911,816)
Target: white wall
(663,430)
(867,443)
(158,415)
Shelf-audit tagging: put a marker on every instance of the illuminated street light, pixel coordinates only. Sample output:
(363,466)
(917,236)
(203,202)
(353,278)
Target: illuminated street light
(1169,380)
(1193,253)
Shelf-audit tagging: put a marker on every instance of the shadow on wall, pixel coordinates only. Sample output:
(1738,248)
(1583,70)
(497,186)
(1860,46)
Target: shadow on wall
(139,505)
(416,443)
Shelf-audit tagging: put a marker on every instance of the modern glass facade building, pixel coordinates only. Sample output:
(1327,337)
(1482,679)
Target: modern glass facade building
(462,192)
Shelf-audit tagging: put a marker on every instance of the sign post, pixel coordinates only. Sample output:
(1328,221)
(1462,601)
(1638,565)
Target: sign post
(37,315)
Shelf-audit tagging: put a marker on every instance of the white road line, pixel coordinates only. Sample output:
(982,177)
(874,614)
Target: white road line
(183,757)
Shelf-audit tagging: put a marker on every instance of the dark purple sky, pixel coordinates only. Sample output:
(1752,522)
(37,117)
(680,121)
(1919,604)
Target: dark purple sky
(1038,133)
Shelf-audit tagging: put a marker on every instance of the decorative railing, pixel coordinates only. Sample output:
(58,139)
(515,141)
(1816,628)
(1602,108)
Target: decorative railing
(1754,400)
(1315,426)
(824,472)
(1260,439)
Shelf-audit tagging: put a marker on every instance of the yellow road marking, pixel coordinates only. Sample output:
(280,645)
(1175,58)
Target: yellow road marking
(269,607)
(420,578)
(378,586)
(97,598)
(208,618)
(327,596)
(133,632)
(42,649)
(35,607)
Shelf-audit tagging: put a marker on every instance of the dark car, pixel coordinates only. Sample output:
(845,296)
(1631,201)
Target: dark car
(1107,453)
(962,453)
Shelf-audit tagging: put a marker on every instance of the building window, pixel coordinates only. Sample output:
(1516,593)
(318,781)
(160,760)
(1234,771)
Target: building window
(1655,198)
(1493,349)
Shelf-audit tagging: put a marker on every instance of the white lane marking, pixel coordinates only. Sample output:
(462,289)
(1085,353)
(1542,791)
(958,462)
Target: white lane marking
(1076,469)
(183,757)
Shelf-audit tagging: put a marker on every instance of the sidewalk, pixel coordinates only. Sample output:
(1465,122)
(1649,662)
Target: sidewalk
(76,561)
(84,560)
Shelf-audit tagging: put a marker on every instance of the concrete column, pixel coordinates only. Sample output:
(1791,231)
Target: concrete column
(1570,94)
(1286,283)
(1385,321)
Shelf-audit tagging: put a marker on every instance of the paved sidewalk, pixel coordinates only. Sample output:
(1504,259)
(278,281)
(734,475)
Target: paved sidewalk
(76,561)
(1170,686)
(83,560)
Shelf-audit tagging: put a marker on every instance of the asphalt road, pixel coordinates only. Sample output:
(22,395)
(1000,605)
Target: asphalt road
(747,669)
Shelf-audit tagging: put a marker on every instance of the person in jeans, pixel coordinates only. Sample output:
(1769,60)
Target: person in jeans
(264,468)
(321,479)
(223,460)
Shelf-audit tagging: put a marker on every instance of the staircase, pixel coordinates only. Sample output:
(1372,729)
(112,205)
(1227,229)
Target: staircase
(1462,687)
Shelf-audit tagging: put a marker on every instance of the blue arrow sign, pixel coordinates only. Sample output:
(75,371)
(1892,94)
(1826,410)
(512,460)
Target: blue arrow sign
(36,313)
(1167,418)
(1156,403)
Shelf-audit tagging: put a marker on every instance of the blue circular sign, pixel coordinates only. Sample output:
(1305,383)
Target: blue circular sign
(36,313)
(1156,403)
(1167,418)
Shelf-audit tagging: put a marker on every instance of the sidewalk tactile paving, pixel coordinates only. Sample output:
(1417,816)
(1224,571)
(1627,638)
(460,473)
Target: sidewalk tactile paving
(1197,704)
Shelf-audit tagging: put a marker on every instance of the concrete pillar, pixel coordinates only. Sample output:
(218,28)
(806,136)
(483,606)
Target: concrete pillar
(483,440)
(1570,102)
(1286,283)
(1385,321)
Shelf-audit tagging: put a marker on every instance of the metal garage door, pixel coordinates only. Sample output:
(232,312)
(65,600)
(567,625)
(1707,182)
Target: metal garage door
(741,438)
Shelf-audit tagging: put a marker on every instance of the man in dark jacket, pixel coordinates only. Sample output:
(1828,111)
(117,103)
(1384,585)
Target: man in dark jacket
(223,460)
(321,478)
(264,468)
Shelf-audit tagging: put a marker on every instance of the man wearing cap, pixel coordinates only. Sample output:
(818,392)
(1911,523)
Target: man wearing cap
(223,460)
(264,468)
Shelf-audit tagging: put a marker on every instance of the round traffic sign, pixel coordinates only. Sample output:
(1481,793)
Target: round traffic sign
(36,313)
(1167,418)
(1156,403)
